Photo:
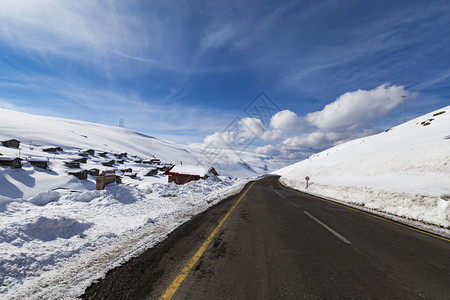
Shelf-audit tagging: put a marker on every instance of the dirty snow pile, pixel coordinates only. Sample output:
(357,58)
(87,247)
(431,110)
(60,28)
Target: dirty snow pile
(403,172)
(54,244)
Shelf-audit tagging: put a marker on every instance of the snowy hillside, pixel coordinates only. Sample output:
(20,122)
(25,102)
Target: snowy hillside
(38,132)
(58,234)
(403,172)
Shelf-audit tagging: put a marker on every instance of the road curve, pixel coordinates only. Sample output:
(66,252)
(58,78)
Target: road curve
(279,243)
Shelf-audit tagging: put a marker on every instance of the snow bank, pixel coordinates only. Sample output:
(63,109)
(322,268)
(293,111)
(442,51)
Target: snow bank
(56,243)
(44,198)
(403,172)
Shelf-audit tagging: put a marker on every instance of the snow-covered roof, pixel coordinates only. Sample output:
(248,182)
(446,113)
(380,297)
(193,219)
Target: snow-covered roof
(8,158)
(37,159)
(190,170)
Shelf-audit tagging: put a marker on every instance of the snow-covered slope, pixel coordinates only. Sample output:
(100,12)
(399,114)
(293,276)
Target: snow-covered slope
(58,234)
(37,133)
(403,172)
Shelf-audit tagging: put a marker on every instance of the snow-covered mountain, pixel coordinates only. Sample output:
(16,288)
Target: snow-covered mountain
(37,133)
(403,172)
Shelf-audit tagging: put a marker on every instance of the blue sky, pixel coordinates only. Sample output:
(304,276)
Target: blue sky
(185,70)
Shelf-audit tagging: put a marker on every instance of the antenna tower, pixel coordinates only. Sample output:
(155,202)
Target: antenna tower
(404,109)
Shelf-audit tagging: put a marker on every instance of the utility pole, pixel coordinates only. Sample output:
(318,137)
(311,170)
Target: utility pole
(404,109)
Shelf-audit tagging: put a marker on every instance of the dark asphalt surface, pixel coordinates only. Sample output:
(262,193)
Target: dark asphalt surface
(282,244)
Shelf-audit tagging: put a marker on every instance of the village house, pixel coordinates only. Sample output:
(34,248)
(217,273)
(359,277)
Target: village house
(105,178)
(181,174)
(13,162)
(79,173)
(11,143)
(152,172)
(82,160)
(131,175)
(72,164)
(87,153)
(155,161)
(109,163)
(38,162)
(53,149)
(164,167)
(94,172)
(121,155)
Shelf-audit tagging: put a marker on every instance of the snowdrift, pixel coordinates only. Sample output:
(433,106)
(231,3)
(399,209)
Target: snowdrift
(403,172)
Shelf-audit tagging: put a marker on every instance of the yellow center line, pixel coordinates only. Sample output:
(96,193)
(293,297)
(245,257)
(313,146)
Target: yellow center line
(378,217)
(168,294)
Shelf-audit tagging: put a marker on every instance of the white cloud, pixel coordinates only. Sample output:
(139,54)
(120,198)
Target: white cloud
(319,140)
(81,24)
(239,133)
(358,109)
(7,105)
(246,130)
(272,135)
(251,127)
(268,150)
(313,139)
(287,120)
(348,117)
(219,36)
(97,33)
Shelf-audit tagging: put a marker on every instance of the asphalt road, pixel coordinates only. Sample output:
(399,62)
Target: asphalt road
(281,244)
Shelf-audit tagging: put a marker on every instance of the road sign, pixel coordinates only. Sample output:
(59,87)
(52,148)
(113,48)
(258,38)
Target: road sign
(307,178)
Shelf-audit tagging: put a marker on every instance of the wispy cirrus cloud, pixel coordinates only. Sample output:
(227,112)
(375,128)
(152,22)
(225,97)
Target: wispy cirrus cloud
(64,27)
(94,34)
(105,105)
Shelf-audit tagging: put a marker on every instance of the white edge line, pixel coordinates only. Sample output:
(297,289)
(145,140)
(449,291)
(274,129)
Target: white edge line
(328,228)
